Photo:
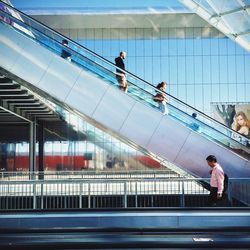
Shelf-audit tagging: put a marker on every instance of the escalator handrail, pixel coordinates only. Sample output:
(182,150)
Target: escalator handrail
(125,71)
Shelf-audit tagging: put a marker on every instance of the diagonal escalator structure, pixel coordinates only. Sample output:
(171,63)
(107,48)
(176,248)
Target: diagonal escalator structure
(87,85)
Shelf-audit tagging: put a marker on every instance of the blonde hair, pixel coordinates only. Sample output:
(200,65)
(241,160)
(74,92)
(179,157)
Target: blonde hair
(246,121)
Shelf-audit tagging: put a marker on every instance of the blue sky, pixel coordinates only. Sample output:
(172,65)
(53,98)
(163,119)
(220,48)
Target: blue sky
(100,5)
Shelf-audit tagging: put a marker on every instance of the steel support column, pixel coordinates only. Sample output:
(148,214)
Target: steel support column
(41,150)
(32,148)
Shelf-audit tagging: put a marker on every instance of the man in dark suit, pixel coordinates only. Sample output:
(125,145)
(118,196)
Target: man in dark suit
(120,75)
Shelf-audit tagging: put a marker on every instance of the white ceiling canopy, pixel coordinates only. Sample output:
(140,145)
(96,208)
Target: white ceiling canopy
(232,17)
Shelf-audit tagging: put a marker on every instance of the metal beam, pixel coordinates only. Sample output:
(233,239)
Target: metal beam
(41,150)
(15,114)
(32,148)
(221,14)
(33,108)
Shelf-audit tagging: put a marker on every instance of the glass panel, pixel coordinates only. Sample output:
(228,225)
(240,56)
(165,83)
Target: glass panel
(148,66)
(247,67)
(139,67)
(239,21)
(190,75)
(214,46)
(139,48)
(189,47)
(207,97)
(181,69)
(191,95)
(229,16)
(173,67)
(230,47)
(223,6)
(223,93)
(197,47)
(139,89)
(241,92)
(14,143)
(198,69)
(223,69)
(206,46)
(232,92)
(157,51)
(156,71)
(215,69)
(231,69)
(164,67)
(164,48)
(172,47)
(181,47)
(240,69)
(148,47)
(182,92)
(206,69)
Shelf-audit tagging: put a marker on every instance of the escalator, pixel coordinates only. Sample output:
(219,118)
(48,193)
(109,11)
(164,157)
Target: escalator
(87,85)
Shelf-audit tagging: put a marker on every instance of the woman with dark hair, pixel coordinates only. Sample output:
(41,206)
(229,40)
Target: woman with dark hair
(161,98)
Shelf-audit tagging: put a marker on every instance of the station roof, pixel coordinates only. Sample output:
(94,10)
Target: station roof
(230,17)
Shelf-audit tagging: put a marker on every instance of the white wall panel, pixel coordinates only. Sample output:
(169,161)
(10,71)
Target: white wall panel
(86,93)
(113,107)
(35,59)
(168,138)
(60,77)
(195,151)
(11,45)
(141,123)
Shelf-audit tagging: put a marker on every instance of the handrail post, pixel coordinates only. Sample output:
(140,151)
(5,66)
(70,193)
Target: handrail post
(89,196)
(34,195)
(80,195)
(136,195)
(182,198)
(229,193)
(125,195)
(42,184)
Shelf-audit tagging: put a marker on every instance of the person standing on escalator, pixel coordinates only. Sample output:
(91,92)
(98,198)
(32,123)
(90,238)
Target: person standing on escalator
(120,75)
(161,98)
(65,54)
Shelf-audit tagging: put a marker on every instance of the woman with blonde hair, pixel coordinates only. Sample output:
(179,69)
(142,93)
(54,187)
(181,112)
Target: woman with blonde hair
(242,124)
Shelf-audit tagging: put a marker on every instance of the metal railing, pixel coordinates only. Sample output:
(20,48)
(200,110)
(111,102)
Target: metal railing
(119,193)
(138,88)
(88,174)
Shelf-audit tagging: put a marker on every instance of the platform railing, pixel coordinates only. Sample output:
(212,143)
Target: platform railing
(89,174)
(119,193)
(139,89)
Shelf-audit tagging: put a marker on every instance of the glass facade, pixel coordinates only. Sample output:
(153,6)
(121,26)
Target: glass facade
(201,65)
(75,146)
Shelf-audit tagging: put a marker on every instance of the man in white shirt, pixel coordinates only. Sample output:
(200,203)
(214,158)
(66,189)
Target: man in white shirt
(216,181)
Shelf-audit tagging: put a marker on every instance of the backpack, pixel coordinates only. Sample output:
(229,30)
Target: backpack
(158,97)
